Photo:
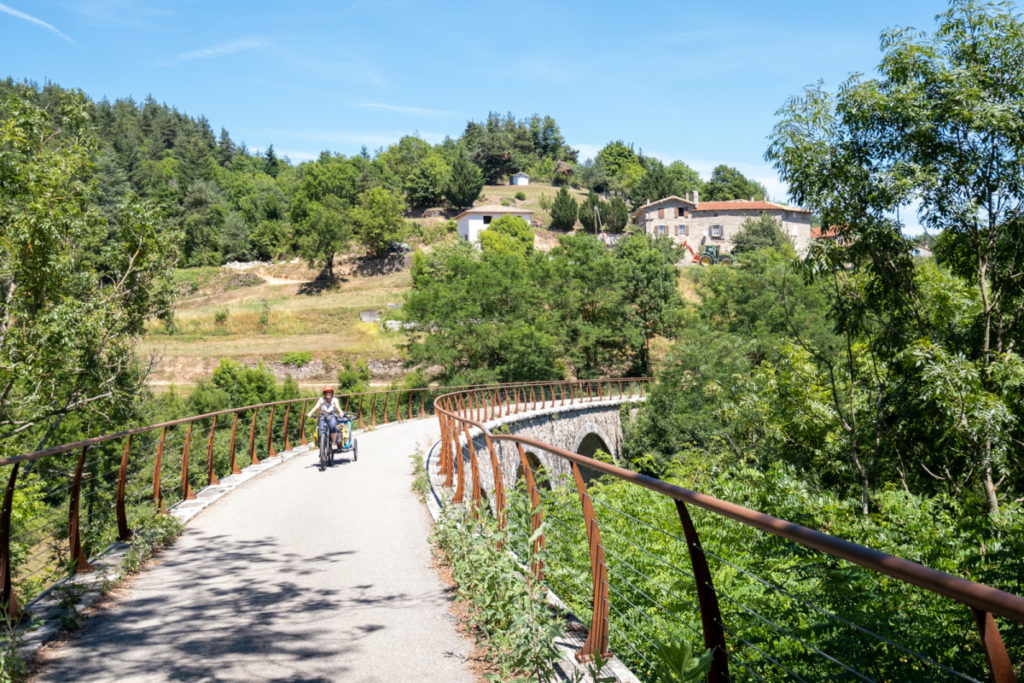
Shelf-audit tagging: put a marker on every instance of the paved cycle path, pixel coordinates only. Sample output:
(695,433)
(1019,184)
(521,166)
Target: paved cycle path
(297,575)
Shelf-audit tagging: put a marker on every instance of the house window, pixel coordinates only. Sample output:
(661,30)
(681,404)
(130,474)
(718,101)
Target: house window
(662,230)
(716,231)
(681,230)
(487,220)
(715,214)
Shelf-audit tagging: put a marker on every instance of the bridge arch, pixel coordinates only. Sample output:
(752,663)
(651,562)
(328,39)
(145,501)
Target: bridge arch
(540,473)
(589,441)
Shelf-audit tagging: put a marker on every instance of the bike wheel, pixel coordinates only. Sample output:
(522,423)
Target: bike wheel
(325,448)
(355,450)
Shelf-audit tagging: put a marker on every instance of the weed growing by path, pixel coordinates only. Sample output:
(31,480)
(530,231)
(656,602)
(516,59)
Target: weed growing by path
(509,612)
(151,534)
(420,482)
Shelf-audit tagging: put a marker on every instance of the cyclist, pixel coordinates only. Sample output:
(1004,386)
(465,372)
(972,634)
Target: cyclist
(330,412)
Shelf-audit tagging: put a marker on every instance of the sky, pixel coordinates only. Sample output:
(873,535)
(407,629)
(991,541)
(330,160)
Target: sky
(697,82)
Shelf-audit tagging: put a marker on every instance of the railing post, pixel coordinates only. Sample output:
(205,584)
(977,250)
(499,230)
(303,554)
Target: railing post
(710,615)
(474,469)
(373,410)
(995,651)
(74,528)
(123,532)
(597,639)
(231,447)
(186,488)
(499,485)
(158,496)
(409,406)
(460,484)
(536,515)
(452,452)
(302,422)
(287,414)
(360,411)
(7,596)
(253,460)
(270,435)
(211,476)
(423,396)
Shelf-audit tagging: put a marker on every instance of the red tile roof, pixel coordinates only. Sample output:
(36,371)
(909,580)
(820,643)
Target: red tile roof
(746,205)
(829,233)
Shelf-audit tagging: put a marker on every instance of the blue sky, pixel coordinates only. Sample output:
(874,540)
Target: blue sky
(683,80)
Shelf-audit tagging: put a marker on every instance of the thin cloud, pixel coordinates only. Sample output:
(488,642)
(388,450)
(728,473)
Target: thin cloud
(216,51)
(402,109)
(38,22)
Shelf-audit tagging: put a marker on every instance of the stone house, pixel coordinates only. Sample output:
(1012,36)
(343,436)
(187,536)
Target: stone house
(475,220)
(716,223)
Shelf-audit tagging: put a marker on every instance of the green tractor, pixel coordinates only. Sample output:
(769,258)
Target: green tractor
(712,255)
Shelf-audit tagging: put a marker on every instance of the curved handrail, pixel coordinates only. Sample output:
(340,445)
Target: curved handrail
(277,432)
(983,600)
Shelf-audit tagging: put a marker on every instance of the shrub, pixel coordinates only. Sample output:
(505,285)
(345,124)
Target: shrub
(508,202)
(297,358)
(220,317)
(353,377)
(545,202)
(521,196)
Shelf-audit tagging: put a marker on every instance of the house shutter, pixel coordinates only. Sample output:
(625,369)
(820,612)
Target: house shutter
(661,213)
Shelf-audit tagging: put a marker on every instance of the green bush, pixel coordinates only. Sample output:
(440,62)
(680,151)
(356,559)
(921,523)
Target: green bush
(353,377)
(297,359)
(521,196)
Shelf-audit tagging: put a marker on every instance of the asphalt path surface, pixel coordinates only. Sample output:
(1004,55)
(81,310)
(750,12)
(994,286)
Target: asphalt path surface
(298,575)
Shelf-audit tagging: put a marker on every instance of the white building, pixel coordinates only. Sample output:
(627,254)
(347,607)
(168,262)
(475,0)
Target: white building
(475,220)
(520,179)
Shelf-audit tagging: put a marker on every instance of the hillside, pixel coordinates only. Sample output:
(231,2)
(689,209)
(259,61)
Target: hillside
(262,312)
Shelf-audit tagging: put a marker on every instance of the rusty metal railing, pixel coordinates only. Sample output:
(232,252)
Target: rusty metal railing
(155,465)
(463,413)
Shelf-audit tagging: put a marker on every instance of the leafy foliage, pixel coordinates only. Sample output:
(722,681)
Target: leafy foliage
(508,233)
(75,286)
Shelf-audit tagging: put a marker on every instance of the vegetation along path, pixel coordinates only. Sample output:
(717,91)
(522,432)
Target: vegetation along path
(297,575)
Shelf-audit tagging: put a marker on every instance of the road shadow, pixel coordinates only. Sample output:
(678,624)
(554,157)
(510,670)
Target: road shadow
(201,615)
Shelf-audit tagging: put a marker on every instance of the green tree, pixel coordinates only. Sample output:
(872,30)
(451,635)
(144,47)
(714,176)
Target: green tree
(590,306)
(426,184)
(651,290)
(617,215)
(563,210)
(937,126)
(77,288)
(617,158)
(728,183)
(465,181)
(321,212)
(482,315)
(591,205)
(378,219)
(761,233)
(508,233)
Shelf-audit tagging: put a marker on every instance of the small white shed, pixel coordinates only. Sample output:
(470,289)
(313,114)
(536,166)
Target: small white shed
(520,179)
(472,222)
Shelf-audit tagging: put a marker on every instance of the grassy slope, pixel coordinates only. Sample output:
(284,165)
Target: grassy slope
(264,321)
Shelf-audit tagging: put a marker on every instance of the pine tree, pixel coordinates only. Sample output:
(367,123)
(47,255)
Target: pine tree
(465,182)
(563,211)
(225,148)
